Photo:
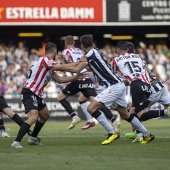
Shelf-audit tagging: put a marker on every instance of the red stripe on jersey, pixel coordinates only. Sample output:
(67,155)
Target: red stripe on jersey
(143,77)
(69,54)
(71,58)
(41,89)
(127,77)
(44,74)
(37,74)
(114,65)
(25,84)
(147,78)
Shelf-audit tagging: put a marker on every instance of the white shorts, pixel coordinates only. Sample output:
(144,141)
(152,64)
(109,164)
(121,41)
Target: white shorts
(114,94)
(162,97)
(100,89)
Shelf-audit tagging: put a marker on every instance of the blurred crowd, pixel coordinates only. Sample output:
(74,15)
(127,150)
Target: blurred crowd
(15,61)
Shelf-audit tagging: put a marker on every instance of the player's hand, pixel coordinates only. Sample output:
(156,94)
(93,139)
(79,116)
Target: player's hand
(83,59)
(81,75)
(62,58)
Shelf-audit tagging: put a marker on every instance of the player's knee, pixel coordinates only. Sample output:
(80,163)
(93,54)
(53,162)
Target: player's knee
(82,98)
(91,109)
(32,118)
(46,116)
(125,116)
(61,96)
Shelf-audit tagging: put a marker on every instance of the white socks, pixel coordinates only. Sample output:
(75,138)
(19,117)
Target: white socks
(87,114)
(138,125)
(104,122)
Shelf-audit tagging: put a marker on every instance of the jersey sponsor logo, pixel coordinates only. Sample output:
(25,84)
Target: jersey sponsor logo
(74,52)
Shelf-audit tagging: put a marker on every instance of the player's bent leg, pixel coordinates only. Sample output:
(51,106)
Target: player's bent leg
(9,112)
(93,109)
(144,116)
(134,121)
(133,134)
(32,118)
(83,104)
(75,118)
(43,117)
(112,118)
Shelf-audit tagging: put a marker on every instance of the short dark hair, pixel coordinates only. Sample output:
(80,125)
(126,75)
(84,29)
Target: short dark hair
(122,45)
(50,47)
(86,40)
(131,47)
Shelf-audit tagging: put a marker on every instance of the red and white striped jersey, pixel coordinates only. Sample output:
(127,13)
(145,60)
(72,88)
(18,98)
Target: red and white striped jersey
(40,74)
(73,55)
(131,66)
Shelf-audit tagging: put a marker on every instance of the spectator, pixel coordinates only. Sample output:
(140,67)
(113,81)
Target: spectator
(2,88)
(19,51)
(3,62)
(2,50)
(19,78)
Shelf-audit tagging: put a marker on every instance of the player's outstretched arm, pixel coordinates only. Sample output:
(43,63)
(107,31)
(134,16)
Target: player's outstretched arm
(61,67)
(72,67)
(59,79)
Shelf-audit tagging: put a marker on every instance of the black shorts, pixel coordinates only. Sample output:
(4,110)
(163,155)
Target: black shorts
(86,87)
(31,101)
(3,103)
(140,93)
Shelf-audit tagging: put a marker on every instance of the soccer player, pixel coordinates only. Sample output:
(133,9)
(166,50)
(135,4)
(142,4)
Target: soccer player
(132,68)
(31,95)
(159,94)
(85,86)
(4,108)
(113,94)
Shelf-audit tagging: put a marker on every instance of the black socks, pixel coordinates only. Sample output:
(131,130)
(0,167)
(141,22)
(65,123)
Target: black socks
(151,114)
(68,107)
(23,130)
(37,128)
(2,127)
(108,113)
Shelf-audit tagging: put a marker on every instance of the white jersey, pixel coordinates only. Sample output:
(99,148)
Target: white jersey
(74,54)
(131,66)
(39,75)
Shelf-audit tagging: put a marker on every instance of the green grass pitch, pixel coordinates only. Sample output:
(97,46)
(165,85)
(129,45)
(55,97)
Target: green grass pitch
(75,149)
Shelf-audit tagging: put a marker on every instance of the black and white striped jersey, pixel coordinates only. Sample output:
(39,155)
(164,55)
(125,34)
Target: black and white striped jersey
(155,83)
(101,68)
